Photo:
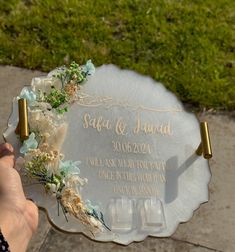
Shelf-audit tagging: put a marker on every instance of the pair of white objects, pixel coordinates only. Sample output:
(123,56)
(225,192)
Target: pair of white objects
(144,214)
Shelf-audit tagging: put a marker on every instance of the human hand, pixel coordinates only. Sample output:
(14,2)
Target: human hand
(18,216)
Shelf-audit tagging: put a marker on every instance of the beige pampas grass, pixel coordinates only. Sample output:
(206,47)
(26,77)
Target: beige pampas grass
(56,140)
(73,204)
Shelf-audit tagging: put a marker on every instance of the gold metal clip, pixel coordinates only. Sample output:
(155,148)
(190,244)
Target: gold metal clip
(205,145)
(22,128)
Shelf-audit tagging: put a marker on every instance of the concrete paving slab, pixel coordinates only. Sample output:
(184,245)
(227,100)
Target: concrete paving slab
(40,235)
(212,227)
(75,243)
(213,224)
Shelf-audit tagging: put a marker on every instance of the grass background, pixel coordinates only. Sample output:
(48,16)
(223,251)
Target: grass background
(187,45)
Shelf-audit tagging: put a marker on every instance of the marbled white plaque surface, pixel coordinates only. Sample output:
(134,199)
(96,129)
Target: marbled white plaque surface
(136,144)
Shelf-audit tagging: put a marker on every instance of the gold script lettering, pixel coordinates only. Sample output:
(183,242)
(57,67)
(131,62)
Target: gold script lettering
(120,127)
(136,190)
(151,128)
(97,123)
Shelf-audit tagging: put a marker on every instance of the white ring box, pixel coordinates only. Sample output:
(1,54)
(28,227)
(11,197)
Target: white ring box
(121,214)
(152,215)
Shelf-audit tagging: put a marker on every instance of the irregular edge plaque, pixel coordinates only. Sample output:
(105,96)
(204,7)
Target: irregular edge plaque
(11,128)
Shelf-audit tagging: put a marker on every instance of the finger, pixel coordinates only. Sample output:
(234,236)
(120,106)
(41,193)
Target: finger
(6,146)
(32,215)
(6,152)
(7,158)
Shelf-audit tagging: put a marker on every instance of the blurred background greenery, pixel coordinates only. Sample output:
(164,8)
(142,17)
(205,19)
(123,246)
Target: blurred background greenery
(187,45)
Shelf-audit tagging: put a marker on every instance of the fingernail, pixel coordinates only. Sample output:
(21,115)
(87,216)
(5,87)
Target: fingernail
(9,147)
(6,152)
(6,147)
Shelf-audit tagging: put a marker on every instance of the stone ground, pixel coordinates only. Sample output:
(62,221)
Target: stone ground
(212,227)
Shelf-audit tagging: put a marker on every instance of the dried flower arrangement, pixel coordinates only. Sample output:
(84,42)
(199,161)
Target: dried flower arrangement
(48,99)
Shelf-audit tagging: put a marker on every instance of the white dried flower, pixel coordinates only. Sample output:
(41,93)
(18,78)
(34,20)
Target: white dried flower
(44,84)
(39,121)
(43,106)
(57,137)
(73,182)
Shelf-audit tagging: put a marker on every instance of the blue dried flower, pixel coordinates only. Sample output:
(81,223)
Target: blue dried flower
(91,208)
(30,143)
(29,95)
(89,68)
(70,167)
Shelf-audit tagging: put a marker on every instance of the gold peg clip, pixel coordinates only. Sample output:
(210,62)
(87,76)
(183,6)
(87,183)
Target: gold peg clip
(22,128)
(205,145)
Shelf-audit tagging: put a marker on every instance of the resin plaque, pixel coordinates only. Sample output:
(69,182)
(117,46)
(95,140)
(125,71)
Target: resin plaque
(136,144)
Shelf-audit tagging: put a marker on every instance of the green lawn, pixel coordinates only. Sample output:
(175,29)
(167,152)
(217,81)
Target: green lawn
(187,45)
